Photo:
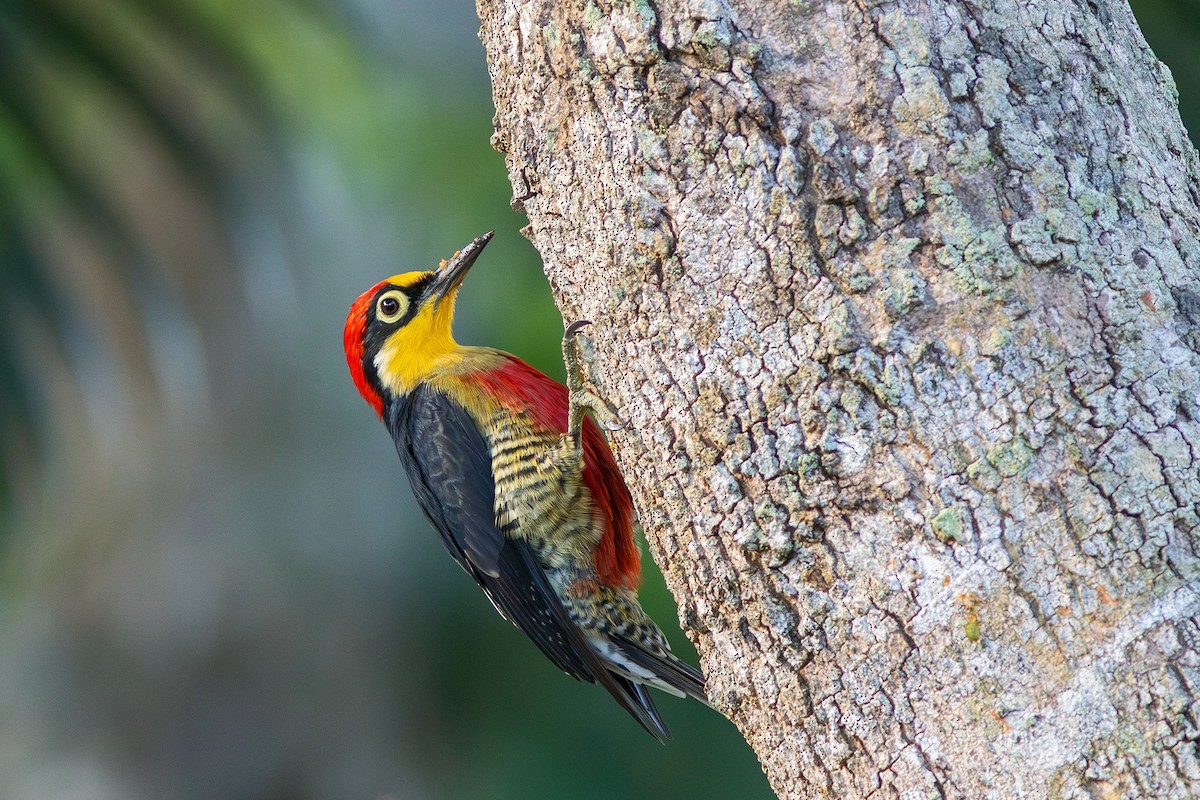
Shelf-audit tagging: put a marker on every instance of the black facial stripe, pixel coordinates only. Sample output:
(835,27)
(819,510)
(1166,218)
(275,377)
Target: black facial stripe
(416,292)
(378,331)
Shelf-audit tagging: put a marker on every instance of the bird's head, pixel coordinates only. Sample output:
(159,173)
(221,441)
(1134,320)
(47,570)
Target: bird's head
(399,329)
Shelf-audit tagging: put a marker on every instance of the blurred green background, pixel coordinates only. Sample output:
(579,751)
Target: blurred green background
(213,580)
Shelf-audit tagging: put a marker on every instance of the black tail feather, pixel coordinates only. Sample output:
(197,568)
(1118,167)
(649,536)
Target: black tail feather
(537,610)
(646,713)
(669,669)
(634,698)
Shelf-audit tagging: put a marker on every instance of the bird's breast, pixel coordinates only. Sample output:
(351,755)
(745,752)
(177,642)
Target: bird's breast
(540,494)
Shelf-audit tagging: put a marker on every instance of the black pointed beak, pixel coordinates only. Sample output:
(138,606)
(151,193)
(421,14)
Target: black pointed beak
(452,272)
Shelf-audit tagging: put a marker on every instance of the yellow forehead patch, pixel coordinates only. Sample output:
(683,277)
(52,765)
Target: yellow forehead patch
(406,279)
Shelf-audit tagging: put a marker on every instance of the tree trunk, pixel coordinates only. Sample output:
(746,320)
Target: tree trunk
(901,302)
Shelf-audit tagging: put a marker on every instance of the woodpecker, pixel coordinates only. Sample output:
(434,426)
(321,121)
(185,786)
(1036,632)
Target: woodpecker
(519,483)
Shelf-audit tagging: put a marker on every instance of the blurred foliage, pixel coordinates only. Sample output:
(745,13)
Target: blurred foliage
(215,583)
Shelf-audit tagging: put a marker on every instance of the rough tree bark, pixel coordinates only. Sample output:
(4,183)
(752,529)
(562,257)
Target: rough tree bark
(901,301)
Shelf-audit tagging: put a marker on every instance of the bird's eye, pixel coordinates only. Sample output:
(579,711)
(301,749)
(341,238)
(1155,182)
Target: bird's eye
(391,306)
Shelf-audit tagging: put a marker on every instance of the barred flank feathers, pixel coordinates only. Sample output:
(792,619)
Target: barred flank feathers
(516,384)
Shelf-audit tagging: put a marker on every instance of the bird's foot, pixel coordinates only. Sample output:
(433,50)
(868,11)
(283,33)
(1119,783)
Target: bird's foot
(582,399)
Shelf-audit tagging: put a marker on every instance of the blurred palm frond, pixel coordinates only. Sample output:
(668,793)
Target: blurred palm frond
(128,130)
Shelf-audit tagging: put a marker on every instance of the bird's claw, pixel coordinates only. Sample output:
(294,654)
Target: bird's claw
(617,424)
(604,412)
(575,327)
(580,398)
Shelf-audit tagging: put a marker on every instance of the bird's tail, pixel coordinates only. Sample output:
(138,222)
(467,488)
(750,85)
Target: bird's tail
(634,668)
(661,670)
(640,705)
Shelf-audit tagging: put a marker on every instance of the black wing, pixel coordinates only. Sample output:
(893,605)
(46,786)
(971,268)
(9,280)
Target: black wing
(450,467)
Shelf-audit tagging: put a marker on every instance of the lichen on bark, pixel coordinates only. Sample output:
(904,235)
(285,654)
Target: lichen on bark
(900,301)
